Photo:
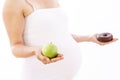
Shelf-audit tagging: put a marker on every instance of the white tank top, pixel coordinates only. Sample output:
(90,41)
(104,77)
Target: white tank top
(50,25)
(46,25)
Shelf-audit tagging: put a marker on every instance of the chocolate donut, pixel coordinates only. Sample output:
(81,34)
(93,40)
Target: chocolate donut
(104,37)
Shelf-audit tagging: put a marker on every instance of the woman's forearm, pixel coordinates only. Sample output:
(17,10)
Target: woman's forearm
(78,38)
(22,51)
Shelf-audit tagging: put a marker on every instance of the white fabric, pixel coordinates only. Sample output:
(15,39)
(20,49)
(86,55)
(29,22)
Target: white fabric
(44,26)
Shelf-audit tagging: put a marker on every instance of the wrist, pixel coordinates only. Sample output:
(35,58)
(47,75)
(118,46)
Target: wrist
(90,38)
(36,50)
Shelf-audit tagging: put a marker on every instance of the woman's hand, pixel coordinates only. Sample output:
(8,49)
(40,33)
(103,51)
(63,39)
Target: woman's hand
(46,60)
(94,39)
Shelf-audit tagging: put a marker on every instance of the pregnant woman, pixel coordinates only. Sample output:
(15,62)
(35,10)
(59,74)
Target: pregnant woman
(33,23)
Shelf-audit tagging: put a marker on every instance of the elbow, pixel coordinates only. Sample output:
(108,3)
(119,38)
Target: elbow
(16,55)
(21,51)
(16,52)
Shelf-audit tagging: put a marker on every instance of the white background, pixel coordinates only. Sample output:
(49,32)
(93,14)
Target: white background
(85,17)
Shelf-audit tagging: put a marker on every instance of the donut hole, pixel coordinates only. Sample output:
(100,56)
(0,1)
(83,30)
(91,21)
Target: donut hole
(104,34)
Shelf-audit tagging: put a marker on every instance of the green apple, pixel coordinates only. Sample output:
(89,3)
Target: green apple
(50,50)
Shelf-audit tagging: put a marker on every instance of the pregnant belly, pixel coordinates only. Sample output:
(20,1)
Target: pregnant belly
(66,67)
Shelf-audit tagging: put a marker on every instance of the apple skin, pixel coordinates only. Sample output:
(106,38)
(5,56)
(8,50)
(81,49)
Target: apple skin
(50,50)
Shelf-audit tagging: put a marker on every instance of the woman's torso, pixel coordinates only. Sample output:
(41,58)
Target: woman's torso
(50,25)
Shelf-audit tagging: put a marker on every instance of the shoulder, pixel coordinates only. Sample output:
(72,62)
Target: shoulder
(13,6)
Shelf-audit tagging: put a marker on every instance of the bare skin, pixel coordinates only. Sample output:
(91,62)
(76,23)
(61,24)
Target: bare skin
(14,14)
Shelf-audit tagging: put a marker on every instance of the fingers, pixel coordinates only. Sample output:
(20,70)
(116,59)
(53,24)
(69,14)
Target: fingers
(115,39)
(59,57)
(104,43)
(46,60)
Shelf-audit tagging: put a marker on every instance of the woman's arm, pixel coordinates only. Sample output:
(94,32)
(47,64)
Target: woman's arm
(85,38)
(90,38)
(14,21)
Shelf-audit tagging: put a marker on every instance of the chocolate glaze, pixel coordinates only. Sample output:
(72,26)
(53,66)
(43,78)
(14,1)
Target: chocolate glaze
(104,37)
